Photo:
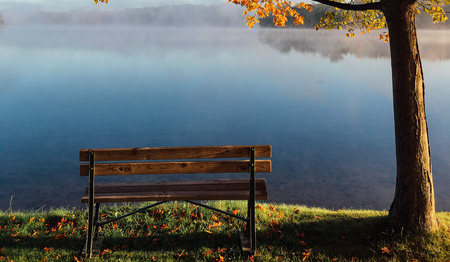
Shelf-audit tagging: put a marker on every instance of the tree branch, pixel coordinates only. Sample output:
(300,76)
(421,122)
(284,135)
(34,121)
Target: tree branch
(353,7)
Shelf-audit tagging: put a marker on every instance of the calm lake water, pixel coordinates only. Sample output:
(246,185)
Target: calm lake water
(322,101)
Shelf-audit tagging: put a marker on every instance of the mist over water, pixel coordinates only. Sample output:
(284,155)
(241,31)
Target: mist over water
(322,101)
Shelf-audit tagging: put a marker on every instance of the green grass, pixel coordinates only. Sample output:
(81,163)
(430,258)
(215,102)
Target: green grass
(183,232)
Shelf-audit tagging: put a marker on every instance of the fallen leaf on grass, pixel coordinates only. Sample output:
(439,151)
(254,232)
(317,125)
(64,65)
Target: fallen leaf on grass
(221,258)
(385,250)
(306,254)
(182,254)
(218,224)
(207,252)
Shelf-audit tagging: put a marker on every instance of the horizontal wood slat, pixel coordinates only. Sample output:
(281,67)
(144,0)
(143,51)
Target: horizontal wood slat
(228,189)
(187,167)
(160,153)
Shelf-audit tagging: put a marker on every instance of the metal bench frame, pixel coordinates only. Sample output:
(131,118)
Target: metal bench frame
(93,208)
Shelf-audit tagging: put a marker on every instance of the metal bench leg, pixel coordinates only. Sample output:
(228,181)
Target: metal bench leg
(92,230)
(90,233)
(251,202)
(96,215)
(91,224)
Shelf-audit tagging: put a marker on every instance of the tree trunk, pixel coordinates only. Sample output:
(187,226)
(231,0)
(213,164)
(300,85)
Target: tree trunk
(413,207)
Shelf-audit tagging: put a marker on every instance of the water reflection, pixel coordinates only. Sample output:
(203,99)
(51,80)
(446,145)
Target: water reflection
(334,45)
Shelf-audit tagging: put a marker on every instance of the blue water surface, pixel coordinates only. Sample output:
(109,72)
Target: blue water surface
(326,112)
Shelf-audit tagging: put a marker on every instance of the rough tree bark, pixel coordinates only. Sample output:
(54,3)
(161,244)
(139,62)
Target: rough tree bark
(413,207)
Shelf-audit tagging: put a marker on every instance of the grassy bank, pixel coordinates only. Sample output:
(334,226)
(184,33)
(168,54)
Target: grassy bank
(183,232)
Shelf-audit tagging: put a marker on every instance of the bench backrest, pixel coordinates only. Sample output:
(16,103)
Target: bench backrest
(188,160)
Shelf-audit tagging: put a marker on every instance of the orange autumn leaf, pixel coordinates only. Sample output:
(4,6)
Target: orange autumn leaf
(48,249)
(207,252)
(31,219)
(306,254)
(218,224)
(76,259)
(182,254)
(385,250)
(221,258)
(299,20)
(164,226)
(105,251)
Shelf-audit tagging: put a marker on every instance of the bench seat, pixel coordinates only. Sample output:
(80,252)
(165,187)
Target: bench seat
(221,161)
(221,189)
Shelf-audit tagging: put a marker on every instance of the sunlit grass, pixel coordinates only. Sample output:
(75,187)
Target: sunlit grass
(182,232)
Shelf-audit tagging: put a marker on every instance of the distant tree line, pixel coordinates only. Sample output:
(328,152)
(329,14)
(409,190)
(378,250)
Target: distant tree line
(2,22)
(312,18)
(182,15)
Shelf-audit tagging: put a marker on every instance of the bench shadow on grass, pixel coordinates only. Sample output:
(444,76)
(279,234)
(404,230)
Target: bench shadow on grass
(337,237)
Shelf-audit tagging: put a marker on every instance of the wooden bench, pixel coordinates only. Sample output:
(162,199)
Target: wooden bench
(174,160)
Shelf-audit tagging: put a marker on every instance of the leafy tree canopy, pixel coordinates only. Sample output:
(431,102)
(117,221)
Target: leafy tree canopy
(363,15)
